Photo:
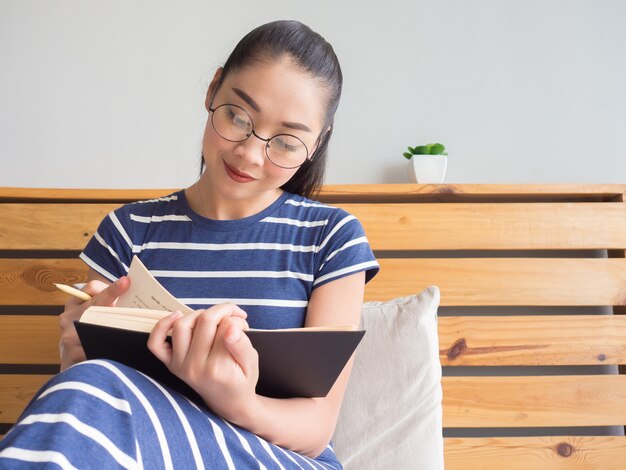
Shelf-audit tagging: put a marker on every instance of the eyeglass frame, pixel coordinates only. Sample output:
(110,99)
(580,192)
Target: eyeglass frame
(267,141)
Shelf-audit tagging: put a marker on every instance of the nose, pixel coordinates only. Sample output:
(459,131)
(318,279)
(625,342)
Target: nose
(252,149)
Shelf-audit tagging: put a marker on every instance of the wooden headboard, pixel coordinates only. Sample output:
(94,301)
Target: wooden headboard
(485,246)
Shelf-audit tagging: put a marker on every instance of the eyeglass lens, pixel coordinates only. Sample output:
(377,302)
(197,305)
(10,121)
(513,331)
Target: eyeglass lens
(234,124)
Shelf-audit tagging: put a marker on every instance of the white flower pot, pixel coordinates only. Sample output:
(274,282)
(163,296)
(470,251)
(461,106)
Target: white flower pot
(428,168)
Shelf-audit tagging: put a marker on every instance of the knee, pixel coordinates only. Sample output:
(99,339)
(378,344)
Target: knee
(98,372)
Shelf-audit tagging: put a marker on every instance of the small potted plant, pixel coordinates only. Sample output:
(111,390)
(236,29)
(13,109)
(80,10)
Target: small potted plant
(428,162)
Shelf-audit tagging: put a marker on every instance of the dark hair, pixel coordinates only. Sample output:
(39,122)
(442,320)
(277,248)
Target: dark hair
(313,54)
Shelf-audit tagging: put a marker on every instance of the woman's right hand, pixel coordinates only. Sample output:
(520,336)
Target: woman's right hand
(102,294)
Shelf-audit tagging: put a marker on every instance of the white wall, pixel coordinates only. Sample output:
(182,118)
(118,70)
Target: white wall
(110,94)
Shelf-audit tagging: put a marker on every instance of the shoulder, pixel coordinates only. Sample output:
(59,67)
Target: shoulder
(335,225)
(132,221)
(308,209)
(341,246)
(123,231)
(171,204)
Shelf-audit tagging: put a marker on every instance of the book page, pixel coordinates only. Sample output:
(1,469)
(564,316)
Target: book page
(132,319)
(146,292)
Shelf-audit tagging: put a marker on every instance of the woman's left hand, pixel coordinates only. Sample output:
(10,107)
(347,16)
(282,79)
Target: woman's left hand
(213,355)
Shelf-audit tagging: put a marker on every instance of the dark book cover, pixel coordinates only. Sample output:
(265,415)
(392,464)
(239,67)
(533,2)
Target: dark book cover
(296,363)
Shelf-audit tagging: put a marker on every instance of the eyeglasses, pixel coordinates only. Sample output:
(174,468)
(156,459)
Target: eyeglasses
(234,124)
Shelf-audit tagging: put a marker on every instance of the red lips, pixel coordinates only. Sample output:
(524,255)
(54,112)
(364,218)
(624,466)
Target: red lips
(236,175)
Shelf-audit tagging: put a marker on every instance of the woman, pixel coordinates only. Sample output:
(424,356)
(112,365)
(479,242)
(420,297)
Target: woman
(245,247)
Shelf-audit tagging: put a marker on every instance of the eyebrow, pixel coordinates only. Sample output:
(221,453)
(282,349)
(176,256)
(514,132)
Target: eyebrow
(244,96)
(253,104)
(296,125)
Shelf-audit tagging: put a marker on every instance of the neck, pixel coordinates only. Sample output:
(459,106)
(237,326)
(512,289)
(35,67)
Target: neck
(214,205)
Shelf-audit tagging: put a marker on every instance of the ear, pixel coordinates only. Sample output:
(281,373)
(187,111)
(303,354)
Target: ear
(213,87)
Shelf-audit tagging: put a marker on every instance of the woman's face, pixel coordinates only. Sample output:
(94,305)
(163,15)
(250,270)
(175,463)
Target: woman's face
(281,99)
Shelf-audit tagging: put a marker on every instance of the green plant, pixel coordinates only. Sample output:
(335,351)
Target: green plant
(429,149)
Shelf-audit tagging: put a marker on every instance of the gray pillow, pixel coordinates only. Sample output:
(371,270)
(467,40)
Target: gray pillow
(391,414)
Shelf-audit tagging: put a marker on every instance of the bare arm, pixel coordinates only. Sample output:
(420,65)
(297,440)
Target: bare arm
(306,425)
(210,353)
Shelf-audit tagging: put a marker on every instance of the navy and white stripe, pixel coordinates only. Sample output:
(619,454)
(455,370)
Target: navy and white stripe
(268,263)
(101,414)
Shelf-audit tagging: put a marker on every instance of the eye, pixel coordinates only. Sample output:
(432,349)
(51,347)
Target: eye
(287,143)
(237,118)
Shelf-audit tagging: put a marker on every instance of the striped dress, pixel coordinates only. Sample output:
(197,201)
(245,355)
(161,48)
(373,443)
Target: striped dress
(102,414)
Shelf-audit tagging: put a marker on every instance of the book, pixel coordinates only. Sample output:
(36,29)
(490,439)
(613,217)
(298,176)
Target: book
(297,362)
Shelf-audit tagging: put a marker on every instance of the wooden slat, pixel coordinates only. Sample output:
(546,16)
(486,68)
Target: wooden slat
(388,226)
(57,227)
(467,402)
(532,340)
(31,281)
(15,393)
(29,339)
(470,282)
(505,281)
(560,226)
(584,400)
(464,341)
(545,453)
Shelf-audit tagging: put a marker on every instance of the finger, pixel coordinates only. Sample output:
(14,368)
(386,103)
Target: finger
(72,312)
(94,287)
(235,310)
(182,333)
(206,327)
(232,309)
(157,342)
(185,331)
(109,295)
(242,322)
(238,322)
(239,346)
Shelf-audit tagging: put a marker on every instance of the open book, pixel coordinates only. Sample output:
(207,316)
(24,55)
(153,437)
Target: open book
(299,362)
